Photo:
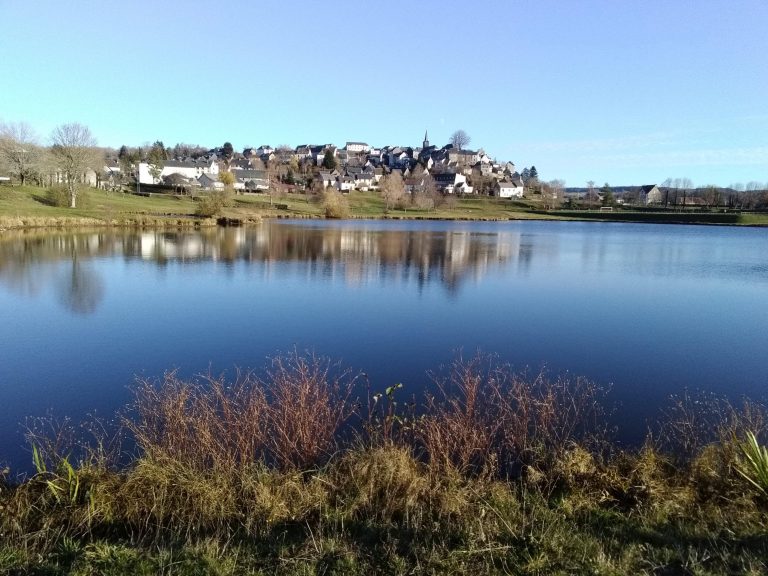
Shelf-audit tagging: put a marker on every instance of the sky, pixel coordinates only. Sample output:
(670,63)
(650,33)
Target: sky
(624,92)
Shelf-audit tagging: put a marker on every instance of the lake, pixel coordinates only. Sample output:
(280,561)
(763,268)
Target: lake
(648,309)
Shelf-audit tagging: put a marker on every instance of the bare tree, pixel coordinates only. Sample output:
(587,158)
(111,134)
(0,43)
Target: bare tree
(459,139)
(424,197)
(591,197)
(74,152)
(686,185)
(392,189)
(19,150)
(553,193)
(712,196)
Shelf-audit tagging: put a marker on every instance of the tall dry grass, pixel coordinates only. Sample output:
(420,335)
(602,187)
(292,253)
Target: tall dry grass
(487,419)
(491,465)
(290,418)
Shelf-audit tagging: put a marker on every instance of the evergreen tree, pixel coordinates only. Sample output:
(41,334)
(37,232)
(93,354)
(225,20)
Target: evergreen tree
(329,160)
(533,174)
(607,193)
(227,151)
(526,174)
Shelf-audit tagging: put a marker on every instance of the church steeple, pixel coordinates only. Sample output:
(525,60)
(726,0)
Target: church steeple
(425,144)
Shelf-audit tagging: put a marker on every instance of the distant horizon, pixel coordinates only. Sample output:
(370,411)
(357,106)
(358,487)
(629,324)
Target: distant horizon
(590,90)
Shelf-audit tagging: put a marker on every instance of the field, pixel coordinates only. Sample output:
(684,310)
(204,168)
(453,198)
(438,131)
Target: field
(29,206)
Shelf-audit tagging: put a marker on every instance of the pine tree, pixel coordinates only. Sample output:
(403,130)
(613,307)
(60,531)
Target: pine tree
(329,160)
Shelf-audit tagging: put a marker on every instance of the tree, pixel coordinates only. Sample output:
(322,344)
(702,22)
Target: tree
(533,174)
(156,159)
(392,189)
(227,151)
(227,178)
(459,139)
(685,187)
(712,196)
(329,160)
(607,192)
(425,195)
(19,150)
(552,194)
(591,198)
(73,151)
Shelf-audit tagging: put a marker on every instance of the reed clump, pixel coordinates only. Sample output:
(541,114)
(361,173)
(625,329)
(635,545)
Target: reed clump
(287,471)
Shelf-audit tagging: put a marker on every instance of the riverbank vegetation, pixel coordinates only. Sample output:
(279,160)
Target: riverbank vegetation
(30,206)
(308,469)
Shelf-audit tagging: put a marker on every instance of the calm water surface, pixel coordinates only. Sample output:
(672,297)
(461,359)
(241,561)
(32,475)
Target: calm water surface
(650,310)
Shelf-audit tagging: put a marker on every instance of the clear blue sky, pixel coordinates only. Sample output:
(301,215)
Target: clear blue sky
(619,91)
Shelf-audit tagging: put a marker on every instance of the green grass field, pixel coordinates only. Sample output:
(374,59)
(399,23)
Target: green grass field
(28,206)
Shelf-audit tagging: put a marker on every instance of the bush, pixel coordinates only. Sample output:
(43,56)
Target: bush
(334,204)
(214,202)
(59,196)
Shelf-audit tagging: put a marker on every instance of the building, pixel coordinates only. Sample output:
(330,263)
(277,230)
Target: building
(358,147)
(650,194)
(509,189)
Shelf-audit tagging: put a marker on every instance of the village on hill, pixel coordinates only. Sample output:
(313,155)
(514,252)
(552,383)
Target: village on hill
(450,169)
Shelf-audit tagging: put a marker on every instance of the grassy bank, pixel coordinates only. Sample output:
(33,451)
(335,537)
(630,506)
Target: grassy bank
(671,217)
(305,470)
(29,207)
(26,207)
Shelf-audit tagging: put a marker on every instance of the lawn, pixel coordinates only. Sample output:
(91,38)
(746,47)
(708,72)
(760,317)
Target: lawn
(28,206)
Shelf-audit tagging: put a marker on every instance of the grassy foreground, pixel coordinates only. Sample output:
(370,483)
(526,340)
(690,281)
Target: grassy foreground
(293,473)
(28,206)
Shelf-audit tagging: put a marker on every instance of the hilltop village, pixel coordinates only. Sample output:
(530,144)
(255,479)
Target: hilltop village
(450,169)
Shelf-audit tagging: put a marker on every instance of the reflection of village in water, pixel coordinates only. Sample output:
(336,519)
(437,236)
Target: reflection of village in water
(356,255)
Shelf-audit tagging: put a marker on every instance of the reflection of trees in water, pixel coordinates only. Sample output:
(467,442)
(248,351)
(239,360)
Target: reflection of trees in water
(28,264)
(81,289)
(358,255)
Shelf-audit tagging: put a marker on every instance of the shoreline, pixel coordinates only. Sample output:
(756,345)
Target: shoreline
(25,208)
(158,222)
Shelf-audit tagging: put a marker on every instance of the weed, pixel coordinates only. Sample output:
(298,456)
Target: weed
(754,465)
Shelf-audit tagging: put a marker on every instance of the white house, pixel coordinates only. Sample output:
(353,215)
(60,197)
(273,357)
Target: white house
(189,169)
(450,182)
(210,182)
(344,183)
(512,189)
(650,194)
(250,180)
(358,147)
(328,178)
(364,180)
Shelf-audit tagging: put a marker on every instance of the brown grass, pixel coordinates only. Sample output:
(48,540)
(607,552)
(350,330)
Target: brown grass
(291,418)
(487,419)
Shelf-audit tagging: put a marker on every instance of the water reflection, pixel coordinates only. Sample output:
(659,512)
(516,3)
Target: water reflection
(81,288)
(358,255)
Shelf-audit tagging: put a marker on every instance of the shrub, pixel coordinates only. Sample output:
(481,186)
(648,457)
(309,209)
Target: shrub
(334,204)
(309,401)
(461,428)
(206,423)
(213,203)
(59,196)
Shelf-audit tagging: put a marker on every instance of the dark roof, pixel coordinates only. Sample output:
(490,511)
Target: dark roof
(444,178)
(180,164)
(647,187)
(248,174)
